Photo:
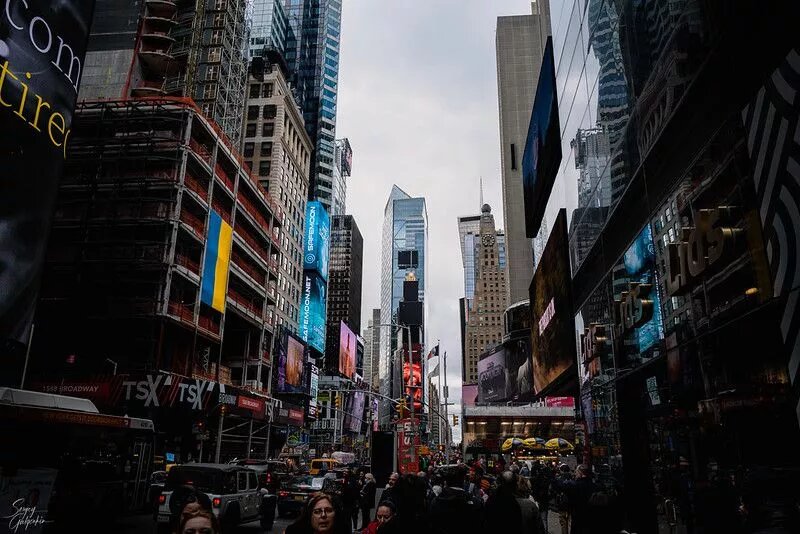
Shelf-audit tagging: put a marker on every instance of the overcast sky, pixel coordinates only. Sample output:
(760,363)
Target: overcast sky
(418,101)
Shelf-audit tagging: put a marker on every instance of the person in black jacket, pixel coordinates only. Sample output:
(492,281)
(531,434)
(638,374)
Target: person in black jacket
(367,501)
(351,494)
(589,504)
(454,511)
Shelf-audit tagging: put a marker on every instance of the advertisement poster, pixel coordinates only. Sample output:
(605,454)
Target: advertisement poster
(407,441)
(24,499)
(312,311)
(552,322)
(542,155)
(492,376)
(316,240)
(414,387)
(355,414)
(295,366)
(347,351)
(42,46)
(640,268)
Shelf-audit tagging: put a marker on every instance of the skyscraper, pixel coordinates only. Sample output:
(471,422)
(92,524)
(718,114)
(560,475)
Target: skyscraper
(404,246)
(484,315)
(520,42)
(312,51)
(372,349)
(344,280)
(268,27)
(343,163)
(176,48)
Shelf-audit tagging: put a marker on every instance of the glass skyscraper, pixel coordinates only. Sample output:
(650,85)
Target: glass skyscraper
(405,229)
(268,27)
(312,52)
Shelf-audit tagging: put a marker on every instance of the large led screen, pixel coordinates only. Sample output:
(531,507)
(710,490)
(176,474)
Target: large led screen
(312,311)
(42,48)
(316,240)
(291,364)
(347,351)
(552,321)
(355,415)
(542,154)
(492,376)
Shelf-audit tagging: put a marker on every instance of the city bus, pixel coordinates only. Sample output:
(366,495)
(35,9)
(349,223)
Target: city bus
(65,467)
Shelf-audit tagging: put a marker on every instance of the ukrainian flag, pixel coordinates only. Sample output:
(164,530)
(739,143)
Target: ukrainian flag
(215,267)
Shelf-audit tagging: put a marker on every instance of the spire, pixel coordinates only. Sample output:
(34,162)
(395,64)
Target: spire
(481,187)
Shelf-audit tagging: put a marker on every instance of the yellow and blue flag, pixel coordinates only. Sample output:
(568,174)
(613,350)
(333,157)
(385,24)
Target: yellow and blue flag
(217,261)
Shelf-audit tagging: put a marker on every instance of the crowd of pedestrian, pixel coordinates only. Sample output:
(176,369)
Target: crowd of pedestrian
(461,499)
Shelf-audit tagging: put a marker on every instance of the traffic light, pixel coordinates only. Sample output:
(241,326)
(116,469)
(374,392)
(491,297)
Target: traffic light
(401,407)
(338,401)
(455,420)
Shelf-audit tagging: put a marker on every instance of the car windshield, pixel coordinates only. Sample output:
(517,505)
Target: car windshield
(200,479)
(306,482)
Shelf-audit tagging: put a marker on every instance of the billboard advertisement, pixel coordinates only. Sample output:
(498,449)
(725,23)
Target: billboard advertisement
(347,351)
(291,364)
(312,311)
(552,322)
(355,412)
(316,240)
(505,372)
(638,309)
(413,388)
(542,155)
(492,376)
(41,56)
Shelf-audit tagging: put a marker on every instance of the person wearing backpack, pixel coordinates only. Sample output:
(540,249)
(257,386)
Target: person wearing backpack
(559,501)
(588,504)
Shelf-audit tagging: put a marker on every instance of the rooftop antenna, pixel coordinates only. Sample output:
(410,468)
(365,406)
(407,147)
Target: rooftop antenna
(481,187)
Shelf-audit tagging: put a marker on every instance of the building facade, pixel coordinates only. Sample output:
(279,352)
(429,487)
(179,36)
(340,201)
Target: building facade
(403,251)
(690,222)
(372,349)
(343,164)
(268,27)
(312,51)
(484,321)
(344,280)
(519,44)
(277,149)
(174,48)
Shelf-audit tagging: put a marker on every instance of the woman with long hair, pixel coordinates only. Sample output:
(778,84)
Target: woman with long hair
(322,514)
(200,522)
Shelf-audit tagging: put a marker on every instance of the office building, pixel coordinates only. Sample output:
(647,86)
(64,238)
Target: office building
(403,252)
(343,164)
(277,149)
(170,48)
(344,280)
(484,321)
(520,43)
(268,27)
(372,349)
(690,221)
(312,52)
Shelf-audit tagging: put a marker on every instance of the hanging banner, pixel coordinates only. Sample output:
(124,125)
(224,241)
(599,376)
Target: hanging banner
(42,46)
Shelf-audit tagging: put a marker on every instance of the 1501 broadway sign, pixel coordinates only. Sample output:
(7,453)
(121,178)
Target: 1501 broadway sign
(42,46)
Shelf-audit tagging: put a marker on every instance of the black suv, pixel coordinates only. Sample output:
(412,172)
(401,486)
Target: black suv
(271,473)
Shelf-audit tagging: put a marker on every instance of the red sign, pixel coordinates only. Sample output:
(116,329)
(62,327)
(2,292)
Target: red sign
(254,405)
(296,415)
(408,440)
(559,402)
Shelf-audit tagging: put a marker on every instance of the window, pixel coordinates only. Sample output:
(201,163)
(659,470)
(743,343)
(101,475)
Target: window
(254,89)
(250,131)
(266,149)
(270,111)
(264,168)
(215,54)
(268,88)
(209,91)
(216,37)
(268,129)
(513,157)
(249,148)
(212,73)
(252,113)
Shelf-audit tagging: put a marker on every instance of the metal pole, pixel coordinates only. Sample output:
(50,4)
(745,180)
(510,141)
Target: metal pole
(219,435)
(27,357)
(447,421)
(250,438)
(200,460)
(414,426)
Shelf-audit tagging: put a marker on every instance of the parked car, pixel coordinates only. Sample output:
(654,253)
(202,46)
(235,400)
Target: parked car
(157,480)
(322,465)
(234,492)
(272,474)
(295,493)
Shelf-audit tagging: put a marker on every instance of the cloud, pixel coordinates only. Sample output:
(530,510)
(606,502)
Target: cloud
(418,101)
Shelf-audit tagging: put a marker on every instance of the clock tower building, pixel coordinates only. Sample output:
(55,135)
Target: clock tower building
(484,314)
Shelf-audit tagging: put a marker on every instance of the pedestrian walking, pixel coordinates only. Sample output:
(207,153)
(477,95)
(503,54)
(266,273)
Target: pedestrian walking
(454,511)
(321,515)
(199,522)
(384,514)
(351,495)
(589,505)
(389,491)
(367,499)
(560,502)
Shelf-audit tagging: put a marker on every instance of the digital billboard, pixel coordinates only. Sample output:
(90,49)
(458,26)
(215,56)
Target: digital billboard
(42,48)
(312,311)
(505,372)
(492,376)
(639,307)
(347,351)
(316,246)
(355,412)
(412,383)
(542,155)
(552,320)
(291,364)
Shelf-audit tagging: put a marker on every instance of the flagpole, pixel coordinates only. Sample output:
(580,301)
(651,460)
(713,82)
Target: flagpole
(447,421)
